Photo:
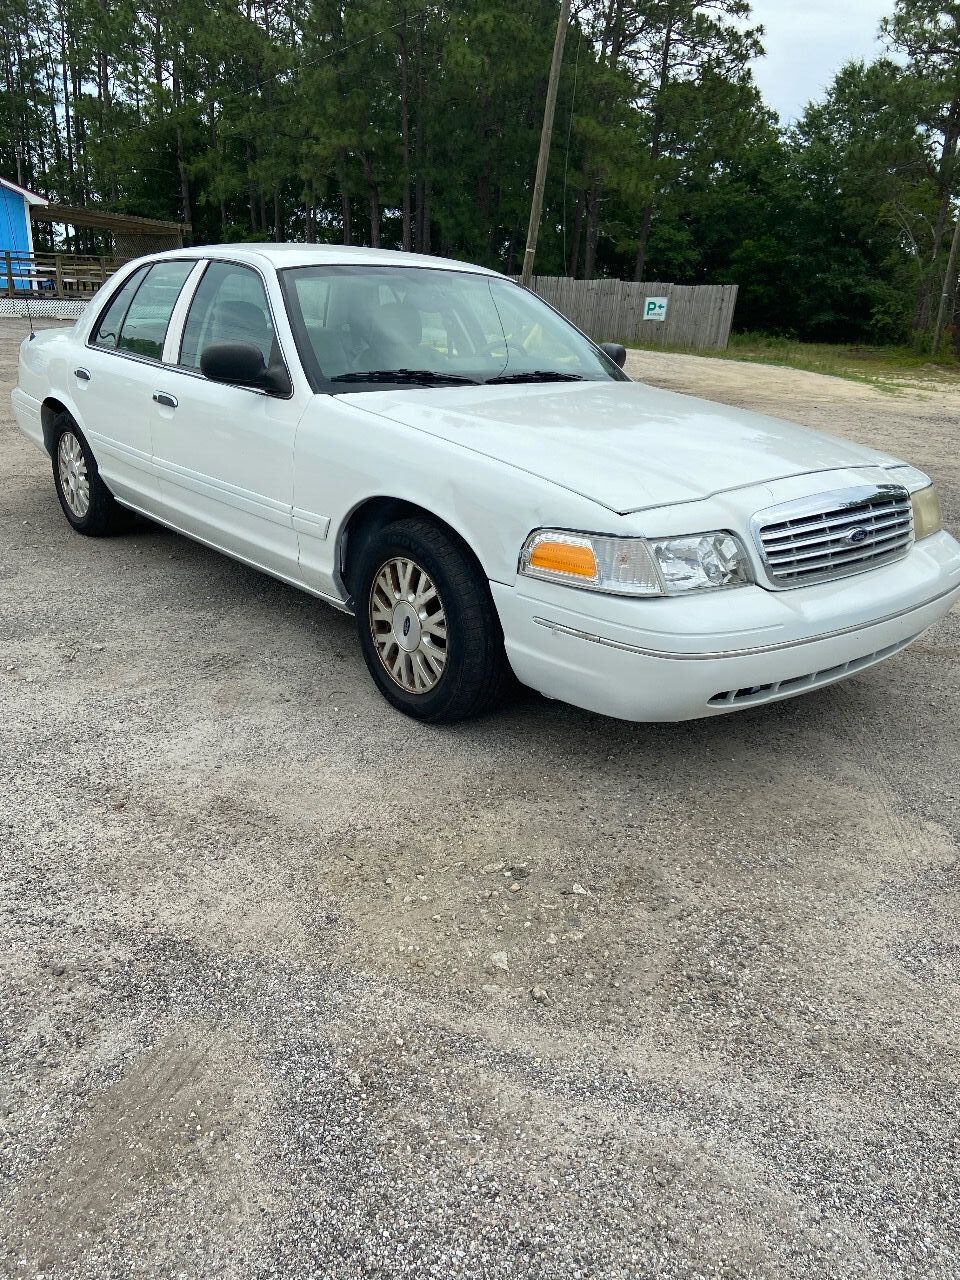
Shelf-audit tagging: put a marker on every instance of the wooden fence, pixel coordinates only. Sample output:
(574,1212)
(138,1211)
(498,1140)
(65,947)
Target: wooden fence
(697,316)
(53,275)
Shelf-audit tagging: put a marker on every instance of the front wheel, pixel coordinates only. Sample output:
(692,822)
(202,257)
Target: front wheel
(428,628)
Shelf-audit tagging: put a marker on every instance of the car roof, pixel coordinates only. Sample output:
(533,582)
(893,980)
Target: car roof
(312,255)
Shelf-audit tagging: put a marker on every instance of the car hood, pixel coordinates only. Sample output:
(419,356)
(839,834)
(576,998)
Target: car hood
(624,445)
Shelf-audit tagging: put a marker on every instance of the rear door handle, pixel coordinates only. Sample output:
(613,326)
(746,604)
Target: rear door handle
(82,374)
(164,397)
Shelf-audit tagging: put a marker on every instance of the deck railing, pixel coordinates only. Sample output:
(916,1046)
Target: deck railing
(53,275)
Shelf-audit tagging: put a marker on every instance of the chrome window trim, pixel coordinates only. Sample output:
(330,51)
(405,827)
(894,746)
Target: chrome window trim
(815,504)
(178,368)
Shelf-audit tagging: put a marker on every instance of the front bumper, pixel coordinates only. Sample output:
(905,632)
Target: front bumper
(676,658)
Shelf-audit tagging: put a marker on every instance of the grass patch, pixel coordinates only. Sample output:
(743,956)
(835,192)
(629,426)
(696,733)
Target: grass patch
(884,367)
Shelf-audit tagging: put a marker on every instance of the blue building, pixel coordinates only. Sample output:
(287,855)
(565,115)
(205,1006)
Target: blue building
(16,233)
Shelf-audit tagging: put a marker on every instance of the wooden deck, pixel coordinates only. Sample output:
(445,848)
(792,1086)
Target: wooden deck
(54,275)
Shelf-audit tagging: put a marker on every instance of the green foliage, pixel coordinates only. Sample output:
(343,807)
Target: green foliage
(416,126)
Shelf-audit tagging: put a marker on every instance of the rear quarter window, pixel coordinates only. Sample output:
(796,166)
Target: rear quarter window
(107,332)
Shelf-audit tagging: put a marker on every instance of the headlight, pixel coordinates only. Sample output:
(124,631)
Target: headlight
(636,566)
(700,562)
(927,516)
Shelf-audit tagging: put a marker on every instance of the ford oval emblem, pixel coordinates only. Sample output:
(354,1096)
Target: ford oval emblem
(857,535)
(406,626)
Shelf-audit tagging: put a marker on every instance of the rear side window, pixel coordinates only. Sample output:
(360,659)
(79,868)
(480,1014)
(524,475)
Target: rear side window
(108,330)
(136,319)
(230,305)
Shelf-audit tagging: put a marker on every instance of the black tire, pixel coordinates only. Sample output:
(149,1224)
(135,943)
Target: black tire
(475,671)
(104,516)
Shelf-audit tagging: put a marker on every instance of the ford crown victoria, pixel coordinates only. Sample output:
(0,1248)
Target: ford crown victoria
(430,447)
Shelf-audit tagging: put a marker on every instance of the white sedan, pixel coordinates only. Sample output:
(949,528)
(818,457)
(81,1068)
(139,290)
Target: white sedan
(430,447)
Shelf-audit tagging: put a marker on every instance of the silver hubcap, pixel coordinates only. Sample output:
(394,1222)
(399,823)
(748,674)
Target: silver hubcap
(74,480)
(409,625)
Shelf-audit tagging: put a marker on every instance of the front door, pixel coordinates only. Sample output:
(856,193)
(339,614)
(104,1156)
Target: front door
(224,454)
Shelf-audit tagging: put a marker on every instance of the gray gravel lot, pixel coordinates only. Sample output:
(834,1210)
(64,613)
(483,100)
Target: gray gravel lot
(249,1021)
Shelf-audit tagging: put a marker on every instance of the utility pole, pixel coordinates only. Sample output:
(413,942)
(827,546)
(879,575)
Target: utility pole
(949,290)
(543,159)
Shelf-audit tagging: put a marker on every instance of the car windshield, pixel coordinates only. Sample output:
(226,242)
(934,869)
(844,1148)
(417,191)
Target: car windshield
(367,328)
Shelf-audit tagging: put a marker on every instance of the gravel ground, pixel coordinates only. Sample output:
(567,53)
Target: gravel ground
(294,987)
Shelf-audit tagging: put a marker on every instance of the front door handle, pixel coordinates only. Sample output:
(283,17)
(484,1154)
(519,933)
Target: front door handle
(164,397)
(82,374)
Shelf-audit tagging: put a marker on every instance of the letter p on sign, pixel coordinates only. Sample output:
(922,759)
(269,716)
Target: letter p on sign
(655,309)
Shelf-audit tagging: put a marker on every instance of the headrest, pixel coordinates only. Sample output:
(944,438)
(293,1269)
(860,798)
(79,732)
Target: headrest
(242,315)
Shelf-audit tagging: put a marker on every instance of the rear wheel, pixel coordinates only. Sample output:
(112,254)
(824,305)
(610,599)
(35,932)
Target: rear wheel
(86,501)
(428,627)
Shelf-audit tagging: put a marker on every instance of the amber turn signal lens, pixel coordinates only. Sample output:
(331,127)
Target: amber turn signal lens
(564,557)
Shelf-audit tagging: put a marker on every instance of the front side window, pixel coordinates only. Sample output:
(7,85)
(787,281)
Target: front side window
(361,327)
(107,332)
(230,305)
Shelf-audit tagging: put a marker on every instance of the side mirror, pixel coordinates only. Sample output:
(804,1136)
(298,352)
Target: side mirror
(243,365)
(616,352)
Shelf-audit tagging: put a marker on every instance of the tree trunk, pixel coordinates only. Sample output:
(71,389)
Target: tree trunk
(374,195)
(656,146)
(157,57)
(418,220)
(103,65)
(574,260)
(345,210)
(948,294)
(925,301)
(79,128)
(593,228)
(67,120)
(251,189)
(184,177)
(640,265)
(405,136)
(425,213)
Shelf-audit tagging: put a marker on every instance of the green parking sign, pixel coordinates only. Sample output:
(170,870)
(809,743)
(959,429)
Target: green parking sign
(655,309)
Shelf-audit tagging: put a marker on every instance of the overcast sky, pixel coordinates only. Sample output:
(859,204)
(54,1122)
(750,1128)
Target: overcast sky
(807,41)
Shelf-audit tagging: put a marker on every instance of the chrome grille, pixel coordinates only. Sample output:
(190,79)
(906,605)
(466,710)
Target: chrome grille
(834,534)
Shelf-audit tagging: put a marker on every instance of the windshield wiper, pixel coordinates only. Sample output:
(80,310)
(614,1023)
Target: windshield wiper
(537,375)
(424,376)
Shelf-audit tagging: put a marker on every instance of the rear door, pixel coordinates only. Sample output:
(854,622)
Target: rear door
(224,454)
(113,387)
